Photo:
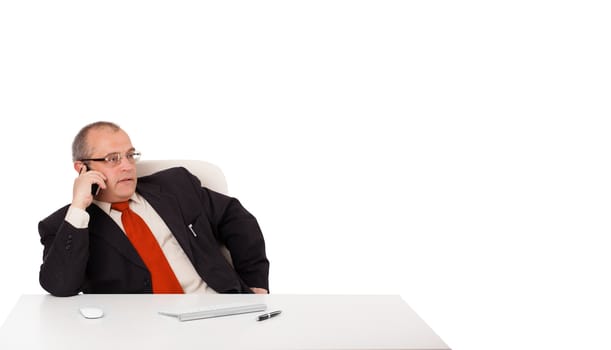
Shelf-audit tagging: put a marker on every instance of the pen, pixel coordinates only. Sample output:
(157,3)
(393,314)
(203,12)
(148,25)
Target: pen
(192,230)
(268,315)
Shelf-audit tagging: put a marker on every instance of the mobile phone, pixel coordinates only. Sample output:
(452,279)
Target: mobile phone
(94,187)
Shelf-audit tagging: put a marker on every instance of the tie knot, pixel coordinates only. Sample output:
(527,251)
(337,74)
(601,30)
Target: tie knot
(120,206)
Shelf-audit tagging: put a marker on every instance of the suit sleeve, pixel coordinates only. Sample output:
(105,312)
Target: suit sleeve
(65,255)
(239,231)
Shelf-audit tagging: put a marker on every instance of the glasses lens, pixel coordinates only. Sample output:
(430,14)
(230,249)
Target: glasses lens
(133,156)
(114,158)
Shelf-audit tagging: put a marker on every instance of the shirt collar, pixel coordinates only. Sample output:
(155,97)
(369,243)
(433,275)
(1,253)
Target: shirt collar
(105,206)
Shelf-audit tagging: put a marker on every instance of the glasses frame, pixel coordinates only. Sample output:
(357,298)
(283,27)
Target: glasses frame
(131,156)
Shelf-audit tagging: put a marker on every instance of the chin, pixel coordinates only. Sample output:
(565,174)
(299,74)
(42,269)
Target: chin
(126,188)
(123,195)
(126,195)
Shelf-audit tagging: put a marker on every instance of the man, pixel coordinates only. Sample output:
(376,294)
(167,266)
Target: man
(156,234)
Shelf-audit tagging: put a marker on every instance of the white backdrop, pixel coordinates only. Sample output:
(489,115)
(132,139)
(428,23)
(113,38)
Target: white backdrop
(455,153)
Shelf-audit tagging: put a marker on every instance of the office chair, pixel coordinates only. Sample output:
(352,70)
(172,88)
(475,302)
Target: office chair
(209,174)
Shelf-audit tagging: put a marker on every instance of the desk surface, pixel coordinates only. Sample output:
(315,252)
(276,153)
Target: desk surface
(306,322)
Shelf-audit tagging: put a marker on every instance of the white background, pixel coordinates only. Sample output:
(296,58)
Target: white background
(455,153)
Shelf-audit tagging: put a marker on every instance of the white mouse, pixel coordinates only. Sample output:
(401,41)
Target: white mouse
(91,312)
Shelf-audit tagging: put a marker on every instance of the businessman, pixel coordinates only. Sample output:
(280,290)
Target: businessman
(155,234)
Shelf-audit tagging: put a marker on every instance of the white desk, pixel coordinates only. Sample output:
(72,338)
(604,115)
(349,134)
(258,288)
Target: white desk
(132,321)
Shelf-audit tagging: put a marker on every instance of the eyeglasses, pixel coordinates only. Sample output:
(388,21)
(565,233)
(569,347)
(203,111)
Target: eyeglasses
(114,159)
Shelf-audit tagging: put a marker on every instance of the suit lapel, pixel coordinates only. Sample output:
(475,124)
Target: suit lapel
(168,209)
(104,227)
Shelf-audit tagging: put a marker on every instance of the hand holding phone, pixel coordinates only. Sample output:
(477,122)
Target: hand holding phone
(87,186)
(94,187)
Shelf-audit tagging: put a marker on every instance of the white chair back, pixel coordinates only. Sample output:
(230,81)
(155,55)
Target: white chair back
(209,174)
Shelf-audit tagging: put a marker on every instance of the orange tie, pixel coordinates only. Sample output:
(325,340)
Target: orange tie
(138,232)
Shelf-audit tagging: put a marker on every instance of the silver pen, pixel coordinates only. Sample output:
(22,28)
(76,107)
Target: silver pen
(268,315)
(192,230)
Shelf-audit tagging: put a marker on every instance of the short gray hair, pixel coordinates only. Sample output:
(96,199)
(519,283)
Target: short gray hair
(80,148)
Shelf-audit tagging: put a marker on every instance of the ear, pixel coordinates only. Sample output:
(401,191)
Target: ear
(78,166)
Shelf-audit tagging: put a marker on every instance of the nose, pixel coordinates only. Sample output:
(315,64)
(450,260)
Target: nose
(125,164)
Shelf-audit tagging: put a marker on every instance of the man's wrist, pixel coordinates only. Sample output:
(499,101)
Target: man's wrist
(77,217)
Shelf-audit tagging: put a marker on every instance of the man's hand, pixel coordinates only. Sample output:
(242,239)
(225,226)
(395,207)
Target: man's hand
(81,190)
(259,290)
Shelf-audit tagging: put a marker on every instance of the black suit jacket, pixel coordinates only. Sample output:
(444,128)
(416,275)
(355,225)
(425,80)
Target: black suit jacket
(100,258)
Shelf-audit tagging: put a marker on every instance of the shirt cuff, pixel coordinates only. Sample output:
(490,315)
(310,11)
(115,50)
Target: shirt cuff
(77,217)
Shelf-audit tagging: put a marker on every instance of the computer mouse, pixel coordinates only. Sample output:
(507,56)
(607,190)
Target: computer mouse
(91,312)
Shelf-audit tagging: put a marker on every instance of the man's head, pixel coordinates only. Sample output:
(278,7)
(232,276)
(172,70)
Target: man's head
(105,147)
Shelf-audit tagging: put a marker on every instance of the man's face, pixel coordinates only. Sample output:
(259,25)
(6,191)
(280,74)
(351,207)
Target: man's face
(121,178)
